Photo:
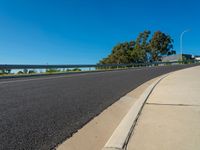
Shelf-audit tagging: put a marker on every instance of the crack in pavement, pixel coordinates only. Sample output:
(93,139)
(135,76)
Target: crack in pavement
(172,104)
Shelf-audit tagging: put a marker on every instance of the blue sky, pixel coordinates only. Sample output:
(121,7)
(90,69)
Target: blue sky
(83,32)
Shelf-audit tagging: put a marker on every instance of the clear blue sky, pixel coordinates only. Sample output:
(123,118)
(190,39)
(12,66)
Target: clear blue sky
(84,31)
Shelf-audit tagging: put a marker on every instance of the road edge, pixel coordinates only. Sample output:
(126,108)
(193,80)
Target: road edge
(121,135)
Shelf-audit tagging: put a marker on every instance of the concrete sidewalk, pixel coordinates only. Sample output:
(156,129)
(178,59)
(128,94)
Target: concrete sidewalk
(170,120)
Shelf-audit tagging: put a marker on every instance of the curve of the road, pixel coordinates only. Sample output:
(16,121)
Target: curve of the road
(39,113)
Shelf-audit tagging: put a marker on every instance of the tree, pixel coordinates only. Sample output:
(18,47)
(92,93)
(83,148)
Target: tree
(5,71)
(172,52)
(143,49)
(139,52)
(160,44)
(76,69)
(20,72)
(2,72)
(119,55)
(32,71)
(25,71)
(52,70)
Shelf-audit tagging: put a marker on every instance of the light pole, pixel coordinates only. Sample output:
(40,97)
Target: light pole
(181,42)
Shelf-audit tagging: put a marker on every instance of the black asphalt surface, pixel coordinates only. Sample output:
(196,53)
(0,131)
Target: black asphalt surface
(39,113)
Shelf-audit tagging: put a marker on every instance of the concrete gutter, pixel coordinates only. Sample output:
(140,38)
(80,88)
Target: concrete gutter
(121,135)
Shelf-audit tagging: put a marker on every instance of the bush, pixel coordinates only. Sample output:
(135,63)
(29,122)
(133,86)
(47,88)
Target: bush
(52,70)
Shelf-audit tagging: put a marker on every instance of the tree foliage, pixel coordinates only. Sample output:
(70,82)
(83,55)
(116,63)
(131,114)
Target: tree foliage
(143,49)
(160,44)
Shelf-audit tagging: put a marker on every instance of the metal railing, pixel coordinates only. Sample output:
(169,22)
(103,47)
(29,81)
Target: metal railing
(15,71)
(19,66)
(98,66)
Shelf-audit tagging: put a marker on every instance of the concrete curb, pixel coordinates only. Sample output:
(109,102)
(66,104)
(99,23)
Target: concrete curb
(121,135)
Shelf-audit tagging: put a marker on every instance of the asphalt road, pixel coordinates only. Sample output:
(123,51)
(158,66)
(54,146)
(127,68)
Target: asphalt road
(39,113)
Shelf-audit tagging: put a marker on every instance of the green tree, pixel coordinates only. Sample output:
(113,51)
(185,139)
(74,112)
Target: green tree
(5,71)
(143,49)
(32,71)
(119,55)
(20,72)
(76,69)
(25,71)
(139,52)
(160,44)
(52,70)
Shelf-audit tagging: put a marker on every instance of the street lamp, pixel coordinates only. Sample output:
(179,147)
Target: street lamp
(181,42)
